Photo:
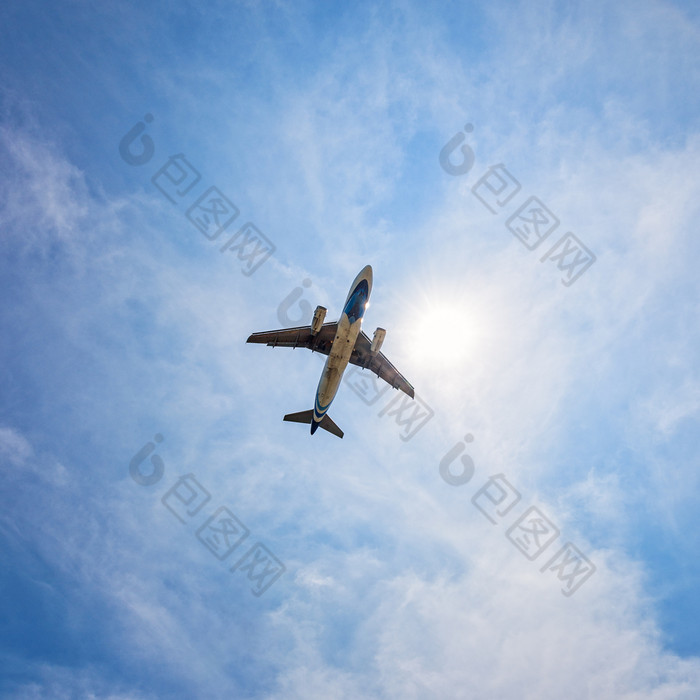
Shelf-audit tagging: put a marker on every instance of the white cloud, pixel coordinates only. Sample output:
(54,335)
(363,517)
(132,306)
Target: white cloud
(396,586)
(14,446)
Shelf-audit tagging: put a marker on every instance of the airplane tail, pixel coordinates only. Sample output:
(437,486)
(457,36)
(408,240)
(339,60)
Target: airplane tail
(307,417)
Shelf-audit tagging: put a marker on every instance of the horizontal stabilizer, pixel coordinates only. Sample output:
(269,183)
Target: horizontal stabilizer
(307,417)
(301,417)
(330,426)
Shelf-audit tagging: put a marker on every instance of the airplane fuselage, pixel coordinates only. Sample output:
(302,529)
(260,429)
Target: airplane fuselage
(349,327)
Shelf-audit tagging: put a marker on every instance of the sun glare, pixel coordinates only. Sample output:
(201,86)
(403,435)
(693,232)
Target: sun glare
(446,334)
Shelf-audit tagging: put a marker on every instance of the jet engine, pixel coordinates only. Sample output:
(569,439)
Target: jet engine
(317,320)
(377,340)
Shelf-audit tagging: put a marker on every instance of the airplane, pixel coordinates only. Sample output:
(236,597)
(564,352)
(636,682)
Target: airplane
(344,342)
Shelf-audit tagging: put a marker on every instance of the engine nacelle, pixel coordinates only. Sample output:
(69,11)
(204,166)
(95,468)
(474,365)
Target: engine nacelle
(377,340)
(317,320)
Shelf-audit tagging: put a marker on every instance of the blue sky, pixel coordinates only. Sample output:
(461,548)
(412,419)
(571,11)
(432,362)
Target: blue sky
(324,126)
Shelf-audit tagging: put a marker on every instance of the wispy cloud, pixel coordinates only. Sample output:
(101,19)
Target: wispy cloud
(122,322)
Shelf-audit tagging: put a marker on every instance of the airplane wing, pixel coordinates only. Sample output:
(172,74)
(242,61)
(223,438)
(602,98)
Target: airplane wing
(377,363)
(301,337)
(298,338)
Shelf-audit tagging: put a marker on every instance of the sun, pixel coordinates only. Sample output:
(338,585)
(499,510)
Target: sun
(445,333)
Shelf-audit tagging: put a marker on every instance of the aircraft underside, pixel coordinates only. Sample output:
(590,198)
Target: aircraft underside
(344,343)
